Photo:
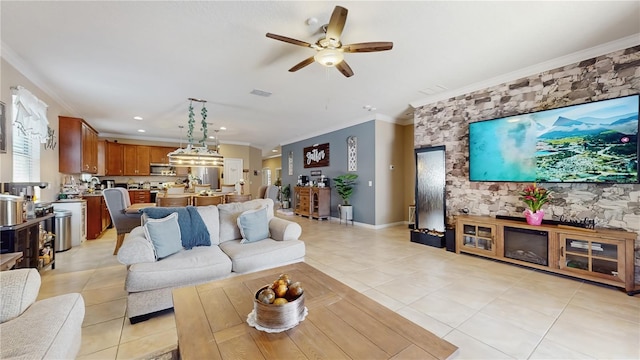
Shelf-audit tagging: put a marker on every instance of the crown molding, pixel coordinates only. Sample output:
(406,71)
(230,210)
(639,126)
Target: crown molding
(21,66)
(606,48)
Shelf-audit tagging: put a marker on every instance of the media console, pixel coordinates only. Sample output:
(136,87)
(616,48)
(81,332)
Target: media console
(602,255)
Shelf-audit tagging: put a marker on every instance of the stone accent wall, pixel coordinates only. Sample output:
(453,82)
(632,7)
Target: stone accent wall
(446,123)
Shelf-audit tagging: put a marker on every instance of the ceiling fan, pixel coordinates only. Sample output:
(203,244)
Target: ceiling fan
(330,51)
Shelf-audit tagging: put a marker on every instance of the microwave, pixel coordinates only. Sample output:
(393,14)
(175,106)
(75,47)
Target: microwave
(162,169)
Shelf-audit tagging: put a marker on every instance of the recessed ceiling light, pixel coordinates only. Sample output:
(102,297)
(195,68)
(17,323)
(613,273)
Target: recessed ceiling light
(212,137)
(137,118)
(141,130)
(274,150)
(223,128)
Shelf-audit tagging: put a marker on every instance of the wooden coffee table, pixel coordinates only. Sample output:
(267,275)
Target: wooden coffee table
(342,323)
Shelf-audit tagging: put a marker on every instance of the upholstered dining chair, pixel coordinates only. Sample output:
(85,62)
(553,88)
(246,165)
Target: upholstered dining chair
(228,188)
(199,187)
(176,189)
(272,192)
(117,202)
(261,191)
(172,201)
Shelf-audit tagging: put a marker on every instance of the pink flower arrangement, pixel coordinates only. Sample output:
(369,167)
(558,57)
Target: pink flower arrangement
(535,196)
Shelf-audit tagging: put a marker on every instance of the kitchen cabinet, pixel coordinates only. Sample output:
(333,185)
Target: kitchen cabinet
(158,154)
(101,158)
(113,159)
(98,217)
(78,150)
(139,196)
(94,217)
(135,159)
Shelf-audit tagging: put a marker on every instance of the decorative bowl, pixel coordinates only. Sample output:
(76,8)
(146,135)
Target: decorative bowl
(278,316)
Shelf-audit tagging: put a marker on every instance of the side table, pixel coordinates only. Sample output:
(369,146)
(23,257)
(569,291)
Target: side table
(9,260)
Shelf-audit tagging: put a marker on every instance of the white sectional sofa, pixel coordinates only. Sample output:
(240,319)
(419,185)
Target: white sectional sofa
(30,329)
(150,280)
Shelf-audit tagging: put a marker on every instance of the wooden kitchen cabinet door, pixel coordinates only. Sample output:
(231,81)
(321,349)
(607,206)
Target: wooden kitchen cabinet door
(158,154)
(78,150)
(94,217)
(113,159)
(136,159)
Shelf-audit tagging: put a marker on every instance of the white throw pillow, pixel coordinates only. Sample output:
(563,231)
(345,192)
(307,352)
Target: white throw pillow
(164,234)
(254,225)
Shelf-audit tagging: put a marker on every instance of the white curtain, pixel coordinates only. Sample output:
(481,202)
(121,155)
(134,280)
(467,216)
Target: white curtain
(30,114)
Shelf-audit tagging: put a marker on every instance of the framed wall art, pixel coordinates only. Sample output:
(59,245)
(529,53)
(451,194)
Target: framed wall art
(316,156)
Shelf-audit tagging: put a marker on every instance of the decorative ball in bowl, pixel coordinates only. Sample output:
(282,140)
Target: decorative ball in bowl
(279,305)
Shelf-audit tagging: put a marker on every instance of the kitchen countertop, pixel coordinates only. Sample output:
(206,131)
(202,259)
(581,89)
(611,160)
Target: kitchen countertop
(26,223)
(69,200)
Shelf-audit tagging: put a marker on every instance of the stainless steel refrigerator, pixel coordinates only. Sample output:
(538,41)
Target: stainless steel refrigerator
(207,175)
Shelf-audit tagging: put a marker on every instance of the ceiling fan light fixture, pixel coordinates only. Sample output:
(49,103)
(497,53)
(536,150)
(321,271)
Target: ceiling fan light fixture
(329,57)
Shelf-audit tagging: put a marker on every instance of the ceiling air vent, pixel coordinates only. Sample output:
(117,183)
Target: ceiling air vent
(260,93)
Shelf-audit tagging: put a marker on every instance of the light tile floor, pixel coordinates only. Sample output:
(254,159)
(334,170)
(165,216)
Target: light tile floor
(490,310)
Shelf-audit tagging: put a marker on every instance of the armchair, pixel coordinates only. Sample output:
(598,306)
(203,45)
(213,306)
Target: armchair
(30,329)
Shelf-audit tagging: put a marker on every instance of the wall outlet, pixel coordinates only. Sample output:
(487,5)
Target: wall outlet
(370,183)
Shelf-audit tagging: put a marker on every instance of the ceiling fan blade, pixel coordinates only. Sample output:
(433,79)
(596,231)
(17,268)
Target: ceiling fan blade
(368,47)
(336,24)
(302,64)
(344,68)
(288,40)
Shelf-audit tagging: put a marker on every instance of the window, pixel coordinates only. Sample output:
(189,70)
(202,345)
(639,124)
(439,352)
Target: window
(266,176)
(29,122)
(26,157)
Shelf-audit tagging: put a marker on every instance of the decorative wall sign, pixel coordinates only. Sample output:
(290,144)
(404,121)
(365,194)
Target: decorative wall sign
(291,163)
(3,129)
(316,156)
(352,153)
(315,172)
(51,139)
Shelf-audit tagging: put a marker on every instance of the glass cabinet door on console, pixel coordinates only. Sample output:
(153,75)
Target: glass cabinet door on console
(477,238)
(594,256)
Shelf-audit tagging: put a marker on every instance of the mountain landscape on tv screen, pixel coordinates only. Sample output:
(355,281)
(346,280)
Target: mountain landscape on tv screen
(588,149)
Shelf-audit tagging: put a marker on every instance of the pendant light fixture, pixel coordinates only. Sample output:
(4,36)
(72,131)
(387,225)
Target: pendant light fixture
(196,156)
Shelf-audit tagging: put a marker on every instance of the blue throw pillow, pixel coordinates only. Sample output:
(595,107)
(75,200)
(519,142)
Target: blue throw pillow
(192,228)
(164,235)
(254,225)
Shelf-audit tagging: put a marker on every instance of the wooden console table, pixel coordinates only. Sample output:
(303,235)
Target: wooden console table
(312,201)
(602,255)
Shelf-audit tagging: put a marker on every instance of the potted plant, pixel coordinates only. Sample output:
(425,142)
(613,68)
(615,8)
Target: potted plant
(345,184)
(534,196)
(285,193)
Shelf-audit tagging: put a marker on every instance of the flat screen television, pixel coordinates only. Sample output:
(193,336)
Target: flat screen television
(593,142)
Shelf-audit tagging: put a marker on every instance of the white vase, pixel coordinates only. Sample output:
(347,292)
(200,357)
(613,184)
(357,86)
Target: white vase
(345,212)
